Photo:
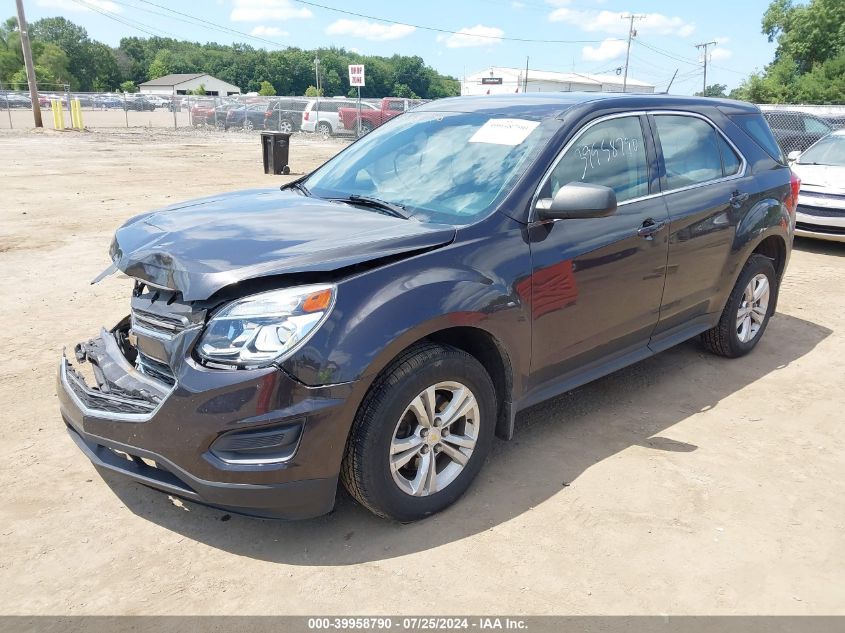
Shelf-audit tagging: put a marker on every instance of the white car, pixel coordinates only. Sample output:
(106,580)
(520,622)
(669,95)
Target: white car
(157,101)
(329,120)
(821,202)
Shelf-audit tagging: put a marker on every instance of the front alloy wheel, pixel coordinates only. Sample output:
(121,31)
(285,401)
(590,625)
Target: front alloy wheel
(421,433)
(434,439)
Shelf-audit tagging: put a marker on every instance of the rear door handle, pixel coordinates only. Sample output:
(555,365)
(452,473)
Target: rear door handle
(737,198)
(649,228)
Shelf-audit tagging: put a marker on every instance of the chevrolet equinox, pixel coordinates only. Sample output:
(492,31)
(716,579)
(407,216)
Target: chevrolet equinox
(380,320)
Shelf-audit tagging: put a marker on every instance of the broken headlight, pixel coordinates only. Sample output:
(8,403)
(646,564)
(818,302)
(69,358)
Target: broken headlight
(262,328)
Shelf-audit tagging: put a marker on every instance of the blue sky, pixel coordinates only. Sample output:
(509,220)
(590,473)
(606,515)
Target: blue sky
(590,33)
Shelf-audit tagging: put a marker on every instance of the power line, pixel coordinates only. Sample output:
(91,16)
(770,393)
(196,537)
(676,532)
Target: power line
(133,24)
(208,24)
(439,30)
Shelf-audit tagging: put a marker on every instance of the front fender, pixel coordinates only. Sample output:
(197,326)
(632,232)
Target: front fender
(471,283)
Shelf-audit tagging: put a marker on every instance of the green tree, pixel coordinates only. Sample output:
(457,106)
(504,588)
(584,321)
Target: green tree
(128,86)
(56,62)
(403,90)
(161,64)
(42,76)
(311,91)
(267,89)
(809,64)
(73,40)
(199,91)
(809,33)
(713,90)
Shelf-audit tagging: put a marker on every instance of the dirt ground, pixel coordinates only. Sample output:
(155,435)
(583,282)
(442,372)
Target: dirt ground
(686,484)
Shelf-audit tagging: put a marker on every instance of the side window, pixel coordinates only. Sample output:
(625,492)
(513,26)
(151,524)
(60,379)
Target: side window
(730,161)
(611,153)
(395,105)
(690,150)
(814,126)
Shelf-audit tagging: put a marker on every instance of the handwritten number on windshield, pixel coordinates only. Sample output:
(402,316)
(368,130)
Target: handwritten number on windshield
(607,150)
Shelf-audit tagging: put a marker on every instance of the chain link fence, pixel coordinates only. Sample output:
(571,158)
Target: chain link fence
(327,116)
(796,127)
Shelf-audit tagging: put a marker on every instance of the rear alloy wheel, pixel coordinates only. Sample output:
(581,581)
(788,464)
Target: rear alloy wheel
(286,126)
(421,434)
(324,129)
(248,125)
(747,311)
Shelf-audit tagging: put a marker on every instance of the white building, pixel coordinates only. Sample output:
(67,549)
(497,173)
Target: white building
(500,79)
(183,84)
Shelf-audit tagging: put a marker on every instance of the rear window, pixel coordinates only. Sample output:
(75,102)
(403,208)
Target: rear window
(756,127)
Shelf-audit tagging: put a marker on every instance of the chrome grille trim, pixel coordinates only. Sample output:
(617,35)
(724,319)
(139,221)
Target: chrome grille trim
(157,325)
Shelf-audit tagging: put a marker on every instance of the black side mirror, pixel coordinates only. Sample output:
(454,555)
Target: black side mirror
(577,200)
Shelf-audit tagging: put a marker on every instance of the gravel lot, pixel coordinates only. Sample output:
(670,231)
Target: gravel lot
(686,484)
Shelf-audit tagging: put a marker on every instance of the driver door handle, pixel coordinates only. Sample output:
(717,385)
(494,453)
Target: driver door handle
(737,198)
(649,228)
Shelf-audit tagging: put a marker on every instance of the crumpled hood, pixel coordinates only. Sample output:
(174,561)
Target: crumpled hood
(201,246)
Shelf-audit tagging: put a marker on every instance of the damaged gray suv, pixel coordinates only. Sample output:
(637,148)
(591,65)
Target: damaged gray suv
(379,321)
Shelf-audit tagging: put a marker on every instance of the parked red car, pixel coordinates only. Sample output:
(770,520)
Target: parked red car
(371,119)
(202,112)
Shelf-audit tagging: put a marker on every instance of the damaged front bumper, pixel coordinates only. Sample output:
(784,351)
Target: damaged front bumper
(255,441)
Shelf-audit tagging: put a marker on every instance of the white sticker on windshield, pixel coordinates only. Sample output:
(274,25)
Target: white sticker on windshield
(504,131)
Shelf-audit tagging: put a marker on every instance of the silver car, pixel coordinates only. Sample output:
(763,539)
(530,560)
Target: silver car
(821,203)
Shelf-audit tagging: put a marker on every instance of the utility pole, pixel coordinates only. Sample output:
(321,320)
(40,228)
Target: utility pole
(631,34)
(705,45)
(30,69)
(525,79)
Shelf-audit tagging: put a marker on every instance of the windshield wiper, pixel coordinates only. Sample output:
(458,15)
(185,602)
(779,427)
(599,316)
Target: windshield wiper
(391,208)
(298,186)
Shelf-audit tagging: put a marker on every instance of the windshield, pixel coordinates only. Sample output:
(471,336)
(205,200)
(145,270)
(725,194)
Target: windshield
(440,166)
(828,151)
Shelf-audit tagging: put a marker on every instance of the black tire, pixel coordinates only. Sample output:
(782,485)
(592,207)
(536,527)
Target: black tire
(366,128)
(324,128)
(723,339)
(366,471)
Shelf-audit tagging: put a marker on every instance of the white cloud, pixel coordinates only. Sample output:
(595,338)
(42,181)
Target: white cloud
(516,4)
(608,49)
(614,23)
(478,35)
(268,31)
(373,31)
(720,54)
(264,10)
(69,5)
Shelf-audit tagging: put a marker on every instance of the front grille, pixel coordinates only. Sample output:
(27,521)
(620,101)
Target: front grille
(821,212)
(154,369)
(819,228)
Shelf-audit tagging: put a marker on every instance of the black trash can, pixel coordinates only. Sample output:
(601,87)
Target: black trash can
(275,147)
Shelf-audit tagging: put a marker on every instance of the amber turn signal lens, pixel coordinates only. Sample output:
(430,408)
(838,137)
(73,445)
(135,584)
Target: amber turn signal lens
(317,302)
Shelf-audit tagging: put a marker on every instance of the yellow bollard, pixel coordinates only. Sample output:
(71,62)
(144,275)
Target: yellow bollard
(73,114)
(79,115)
(58,114)
(76,113)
